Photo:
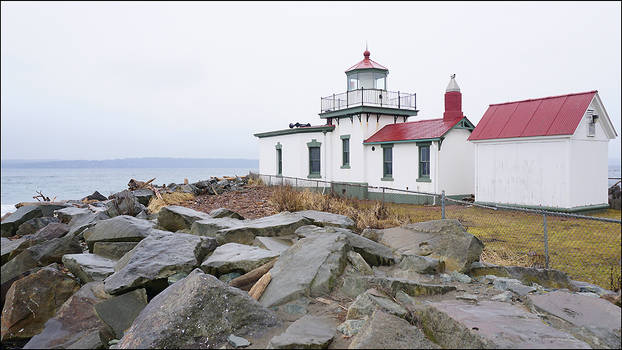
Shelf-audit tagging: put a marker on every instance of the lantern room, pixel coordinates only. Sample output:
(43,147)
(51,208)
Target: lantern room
(367,74)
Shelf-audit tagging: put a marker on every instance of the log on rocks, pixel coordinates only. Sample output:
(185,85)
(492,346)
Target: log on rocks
(246,281)
(21,204)
(259,287)
(135,184)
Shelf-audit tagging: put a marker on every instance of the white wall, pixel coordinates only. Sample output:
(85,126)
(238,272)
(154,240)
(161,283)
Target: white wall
(295,154)
(456,165)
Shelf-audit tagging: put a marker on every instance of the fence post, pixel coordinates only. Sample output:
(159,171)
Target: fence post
(383,196)
(296,184)
(546,242)
(269,180)
(443,204)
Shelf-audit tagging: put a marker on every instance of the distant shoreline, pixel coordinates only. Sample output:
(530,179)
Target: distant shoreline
(133,163)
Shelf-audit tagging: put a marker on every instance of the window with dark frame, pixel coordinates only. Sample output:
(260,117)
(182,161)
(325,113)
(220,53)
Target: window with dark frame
(345,144)
(314,160)
(424,161)
(387,162)
(279,157)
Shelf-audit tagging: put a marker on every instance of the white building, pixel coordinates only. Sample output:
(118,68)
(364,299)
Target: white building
(367,139)
(549,152)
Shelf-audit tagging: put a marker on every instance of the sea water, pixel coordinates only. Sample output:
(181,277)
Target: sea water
(21,184)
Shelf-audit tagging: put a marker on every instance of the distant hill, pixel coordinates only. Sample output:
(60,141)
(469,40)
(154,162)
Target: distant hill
(134,163)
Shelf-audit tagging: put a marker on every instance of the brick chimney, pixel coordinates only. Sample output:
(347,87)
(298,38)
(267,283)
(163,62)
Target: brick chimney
(453,101)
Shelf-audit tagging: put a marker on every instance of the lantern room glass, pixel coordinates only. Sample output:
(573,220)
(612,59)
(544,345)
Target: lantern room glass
(367,80)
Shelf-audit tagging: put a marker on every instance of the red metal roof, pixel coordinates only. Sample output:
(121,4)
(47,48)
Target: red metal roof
(548,116)
(366,63)
(411,131)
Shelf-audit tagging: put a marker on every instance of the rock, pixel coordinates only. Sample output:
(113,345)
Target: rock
(581,286)
(593,320)
(309,268)
(33,225)
(309,332)
(421,264)
(7,282)
(197,311)
(237,342)
(158,256)
(446,240)
(467,297)
(365,304)
(547,278)
(272,243)
(174,217)
(121,228)
(89,267)
(359,263)
(143,195)
(32,300)
(51,231)
(351,327)
(374,253)
(234,257)
(460,277)
(10,225)
(505,297)
(113,250)
(385,331)
(9,246)
(124,203)
(490,324)
(120,311)
(513,285)
(76,324)
(210,227)
(281,224)
(96,196)
(78,224)
(226,278)
(65,215)
(188,188)
(225,213)
(327,219)
(355,285)
(371,234)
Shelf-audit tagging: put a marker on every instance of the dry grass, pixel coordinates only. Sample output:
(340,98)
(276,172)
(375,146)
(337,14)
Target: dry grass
(254,180)
(174,198)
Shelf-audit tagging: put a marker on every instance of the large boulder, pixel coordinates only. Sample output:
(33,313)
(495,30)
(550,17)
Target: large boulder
(308,332)
(10,225)
(121,228)
(490,324)
(124,203)
(446,240)
(80,223)
(113,250)
(157,257)
(593,320)
(421,264)
(225,213)
(32,300)
(355,285)
(120,311)
(365,304)
(65,215)
(385,331)
(9,247)
(327,219)
(51,231)
(196,311)
(281,224)
(33,225)
(89,267)
(309,268)
(76,324)
(234,257)
(278,245)
(143,195)
(211,226)
(548,278)
(174,217)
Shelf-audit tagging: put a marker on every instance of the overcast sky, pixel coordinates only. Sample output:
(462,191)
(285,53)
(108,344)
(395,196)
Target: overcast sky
(116,80)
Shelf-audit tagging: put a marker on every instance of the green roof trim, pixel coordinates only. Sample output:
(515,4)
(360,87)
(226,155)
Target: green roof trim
(323,128)
(402,141)
(358,109)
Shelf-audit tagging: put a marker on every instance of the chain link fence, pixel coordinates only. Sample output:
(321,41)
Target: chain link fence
(586,247)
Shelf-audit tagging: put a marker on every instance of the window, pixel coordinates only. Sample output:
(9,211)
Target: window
(591,123)
(387,162)
(345,151)
(314,159)
(279,160)
(380,80)
(424,162)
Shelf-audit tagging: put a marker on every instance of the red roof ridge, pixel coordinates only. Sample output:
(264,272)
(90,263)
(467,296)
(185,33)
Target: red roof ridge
(545,98)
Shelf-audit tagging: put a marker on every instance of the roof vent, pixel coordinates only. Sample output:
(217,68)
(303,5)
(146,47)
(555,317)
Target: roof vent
(298,125)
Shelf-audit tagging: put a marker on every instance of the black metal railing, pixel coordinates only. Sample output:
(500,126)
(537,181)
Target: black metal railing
(369,97)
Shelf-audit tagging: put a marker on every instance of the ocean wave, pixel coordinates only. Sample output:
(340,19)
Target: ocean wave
(6,208)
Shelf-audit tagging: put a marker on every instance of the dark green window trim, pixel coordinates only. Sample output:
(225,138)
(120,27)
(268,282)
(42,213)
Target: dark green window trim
(311,146)
(387,165)
(345,151)
(279,158)
(424,177)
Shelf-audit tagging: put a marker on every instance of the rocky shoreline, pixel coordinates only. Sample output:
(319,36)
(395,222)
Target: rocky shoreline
(108,273)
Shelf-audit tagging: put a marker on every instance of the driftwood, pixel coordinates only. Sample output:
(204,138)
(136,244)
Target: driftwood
(21,204)
(135,184)
(247,280)
(43,198)
(259,287)
(213,189)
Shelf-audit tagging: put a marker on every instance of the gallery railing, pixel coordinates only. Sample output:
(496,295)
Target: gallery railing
(369,97)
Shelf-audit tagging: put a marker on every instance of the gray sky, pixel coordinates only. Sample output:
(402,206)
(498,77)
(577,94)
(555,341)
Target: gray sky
(116,80)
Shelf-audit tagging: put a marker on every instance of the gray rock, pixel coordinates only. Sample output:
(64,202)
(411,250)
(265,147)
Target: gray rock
(460,277)
(490,324)
(79,223)
(359,263)
(121,228)
(65,215)
(309,332)
(113,250)
(309,268)
(272,243)
(521,289)
(197,311)
(593,320)
(327,219)
(75,324)
(355,285)
(95,196)
(501,283)
(281,224)
(210,226)
(365,304)
(234,257)
(120,311)
(124,203)
(547,278)
(188,188)
(225,213)
(350,327)
(158,256)
(229,276)
(33,225)
(505,297)
(421,264)
(89,267)
(581,286)
(446,240)
(51,231)
(237,342)
(174,217)
(467,297)
(10,225)
(9,246)
(385,331)
(143,195)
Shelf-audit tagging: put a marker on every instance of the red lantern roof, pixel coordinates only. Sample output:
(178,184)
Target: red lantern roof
(548,116)
(366,63)
(411,131)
